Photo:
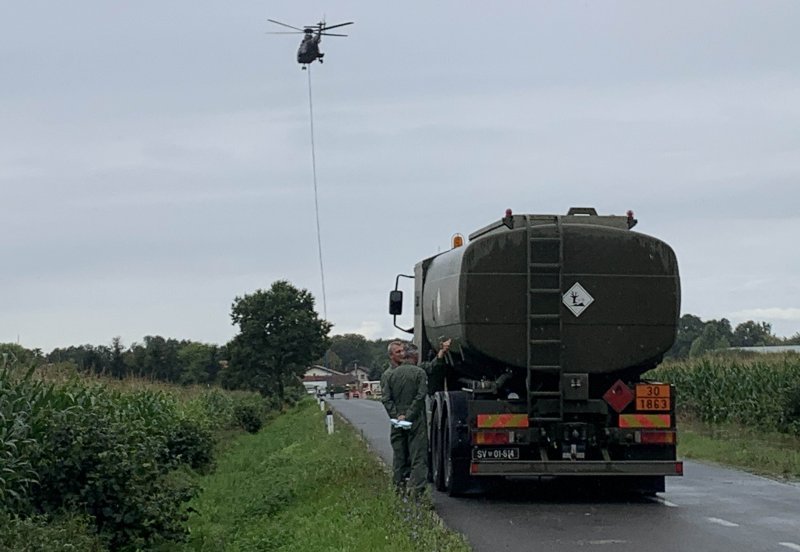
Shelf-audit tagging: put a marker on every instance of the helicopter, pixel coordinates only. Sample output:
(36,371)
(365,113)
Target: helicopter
(309,47)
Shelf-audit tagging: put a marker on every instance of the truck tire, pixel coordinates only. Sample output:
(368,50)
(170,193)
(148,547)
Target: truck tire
(437,461)
(456,471)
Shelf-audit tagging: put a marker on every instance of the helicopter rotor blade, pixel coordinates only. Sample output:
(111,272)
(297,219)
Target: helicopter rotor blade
(284,32)
(331,34)
(285,25)
(327,27)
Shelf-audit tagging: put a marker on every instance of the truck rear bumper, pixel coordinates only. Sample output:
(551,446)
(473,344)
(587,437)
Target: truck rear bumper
(522,468)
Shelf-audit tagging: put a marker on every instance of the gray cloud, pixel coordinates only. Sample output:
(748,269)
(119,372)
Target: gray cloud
(155,161)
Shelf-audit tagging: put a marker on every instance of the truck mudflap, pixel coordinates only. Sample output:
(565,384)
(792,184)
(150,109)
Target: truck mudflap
(623,467)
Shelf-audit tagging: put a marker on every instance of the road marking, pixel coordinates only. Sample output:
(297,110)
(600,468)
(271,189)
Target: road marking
(663,501)
(790,545)
(600,542)
(723,522)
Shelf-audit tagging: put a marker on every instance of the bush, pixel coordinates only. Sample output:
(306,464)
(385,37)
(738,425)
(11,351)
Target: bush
(189,442)
(100,459)
(249,417)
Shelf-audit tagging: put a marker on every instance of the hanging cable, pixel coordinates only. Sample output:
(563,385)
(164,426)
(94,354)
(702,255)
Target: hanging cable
(316,199)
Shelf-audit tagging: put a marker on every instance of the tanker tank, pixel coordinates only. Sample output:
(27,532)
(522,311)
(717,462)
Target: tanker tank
(591,295)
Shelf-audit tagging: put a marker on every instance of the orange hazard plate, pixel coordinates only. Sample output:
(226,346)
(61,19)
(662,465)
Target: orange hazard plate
(653,396)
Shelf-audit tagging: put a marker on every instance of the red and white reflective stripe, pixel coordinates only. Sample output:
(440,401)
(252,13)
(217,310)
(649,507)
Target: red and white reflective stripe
(494,421)
(645,420)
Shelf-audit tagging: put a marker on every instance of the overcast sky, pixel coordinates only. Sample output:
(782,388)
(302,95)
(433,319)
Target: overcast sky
(155,157)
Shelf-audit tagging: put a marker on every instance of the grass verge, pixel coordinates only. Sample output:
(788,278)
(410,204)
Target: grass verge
(766,453)
(293,487)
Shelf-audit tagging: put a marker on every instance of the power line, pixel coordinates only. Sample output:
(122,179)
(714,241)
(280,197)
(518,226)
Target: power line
(316,199)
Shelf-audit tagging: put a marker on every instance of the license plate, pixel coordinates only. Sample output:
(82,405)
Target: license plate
(495,454)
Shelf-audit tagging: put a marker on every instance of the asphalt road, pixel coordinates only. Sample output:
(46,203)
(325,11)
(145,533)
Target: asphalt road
(709,509)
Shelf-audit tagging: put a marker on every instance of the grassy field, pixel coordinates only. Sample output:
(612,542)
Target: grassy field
(766,453)
(739,410)
(293,487)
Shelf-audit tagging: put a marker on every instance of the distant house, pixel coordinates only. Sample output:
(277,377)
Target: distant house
(359,374)
(329,376)
(321,371)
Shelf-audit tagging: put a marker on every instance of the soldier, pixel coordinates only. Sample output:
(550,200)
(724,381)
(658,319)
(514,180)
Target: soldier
(397,355)
(404,390)
(435,368)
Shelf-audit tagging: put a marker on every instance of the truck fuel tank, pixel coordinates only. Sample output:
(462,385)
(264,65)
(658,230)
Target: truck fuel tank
(601,297)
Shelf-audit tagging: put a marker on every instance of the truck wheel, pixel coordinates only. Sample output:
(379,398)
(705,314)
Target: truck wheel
(456,478)
(436,470)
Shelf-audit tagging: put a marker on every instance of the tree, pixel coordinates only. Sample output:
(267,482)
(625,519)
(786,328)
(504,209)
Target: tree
(723,329)
(12,354)
(689,328)
(161,358)
(280,333)
(117,362)
(753,334)
(329,360)
(199,363)
(713,337)
(352,348)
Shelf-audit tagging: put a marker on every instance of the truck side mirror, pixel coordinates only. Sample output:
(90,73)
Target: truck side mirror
(396,302)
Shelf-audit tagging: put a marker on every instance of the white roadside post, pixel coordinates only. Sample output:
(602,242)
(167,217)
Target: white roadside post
(329,421)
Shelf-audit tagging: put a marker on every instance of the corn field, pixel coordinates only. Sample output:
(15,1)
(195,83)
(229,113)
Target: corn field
(115,458)
(760,391)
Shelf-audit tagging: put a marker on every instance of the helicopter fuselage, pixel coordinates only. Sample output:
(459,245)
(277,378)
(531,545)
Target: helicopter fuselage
(309,50)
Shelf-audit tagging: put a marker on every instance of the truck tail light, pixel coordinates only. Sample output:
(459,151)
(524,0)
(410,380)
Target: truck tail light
(492,437)
(656,437)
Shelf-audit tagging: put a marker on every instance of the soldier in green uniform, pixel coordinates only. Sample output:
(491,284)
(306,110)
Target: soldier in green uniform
(403,396)
(397,355)
(435,368)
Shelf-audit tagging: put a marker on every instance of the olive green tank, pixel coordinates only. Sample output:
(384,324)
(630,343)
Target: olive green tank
(579,291)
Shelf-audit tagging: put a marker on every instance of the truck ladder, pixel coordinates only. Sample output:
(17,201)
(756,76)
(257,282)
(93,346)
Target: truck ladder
(545,259)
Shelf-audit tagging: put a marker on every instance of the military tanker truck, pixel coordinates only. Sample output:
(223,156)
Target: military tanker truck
(552,320)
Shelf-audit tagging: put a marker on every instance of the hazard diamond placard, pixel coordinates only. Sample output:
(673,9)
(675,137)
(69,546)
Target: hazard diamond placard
(577,299)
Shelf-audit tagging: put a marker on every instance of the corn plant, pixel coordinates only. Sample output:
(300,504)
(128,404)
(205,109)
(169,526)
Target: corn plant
(761,391)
